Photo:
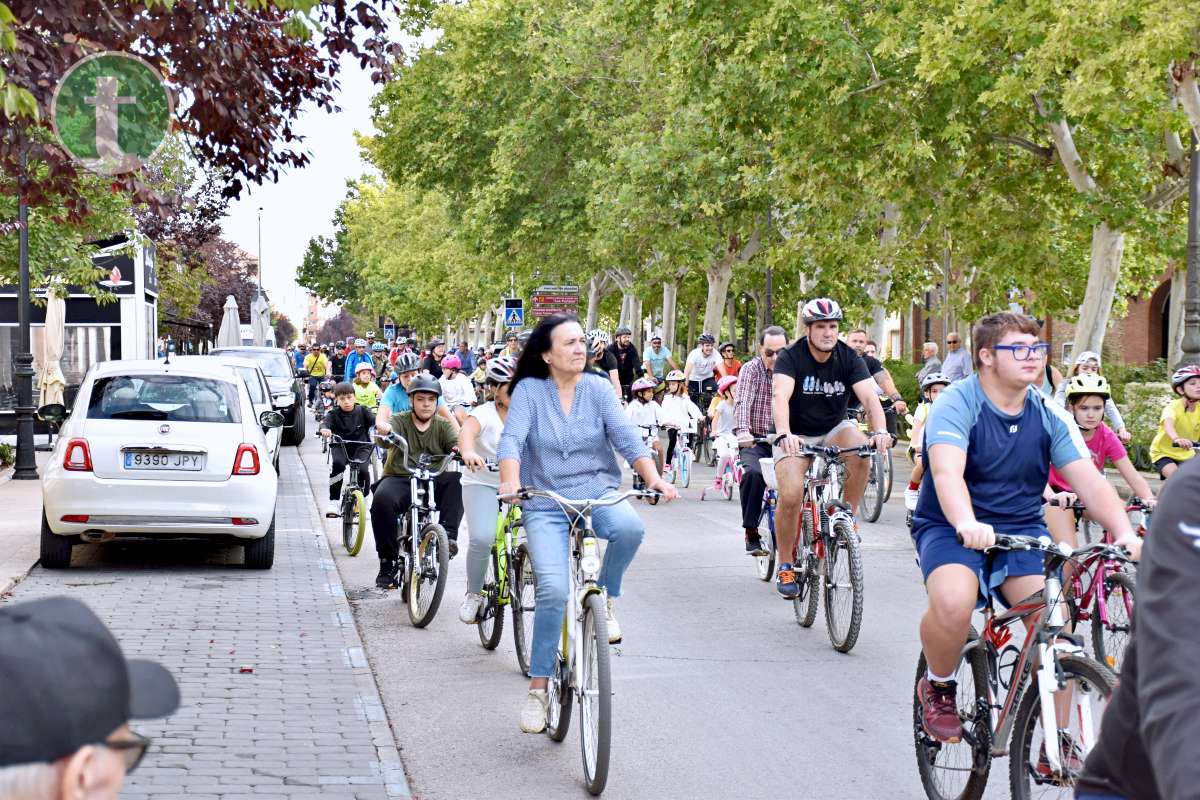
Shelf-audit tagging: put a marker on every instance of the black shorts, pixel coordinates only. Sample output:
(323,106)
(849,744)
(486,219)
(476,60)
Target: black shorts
(1161,463)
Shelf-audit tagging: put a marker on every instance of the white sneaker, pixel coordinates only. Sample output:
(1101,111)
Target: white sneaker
(468,612)
(910,499)
(334,509)
(614,627)
(533,713)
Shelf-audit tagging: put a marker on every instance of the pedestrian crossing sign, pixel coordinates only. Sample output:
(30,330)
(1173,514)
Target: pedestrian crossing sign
(514,313)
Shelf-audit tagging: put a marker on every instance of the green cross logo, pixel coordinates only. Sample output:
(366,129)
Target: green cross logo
(111,111)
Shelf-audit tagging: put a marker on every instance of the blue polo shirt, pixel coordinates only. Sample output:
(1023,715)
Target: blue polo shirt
(397,399)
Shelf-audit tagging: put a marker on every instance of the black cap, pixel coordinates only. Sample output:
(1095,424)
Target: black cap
(66,683)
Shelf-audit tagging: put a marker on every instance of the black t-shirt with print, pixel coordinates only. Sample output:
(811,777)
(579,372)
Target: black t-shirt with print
(818,401)
(874,367)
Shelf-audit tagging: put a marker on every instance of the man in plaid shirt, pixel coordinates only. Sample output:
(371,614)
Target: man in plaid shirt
(752,420)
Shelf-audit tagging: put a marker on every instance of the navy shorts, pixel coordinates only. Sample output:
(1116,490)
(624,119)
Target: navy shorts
(937,545)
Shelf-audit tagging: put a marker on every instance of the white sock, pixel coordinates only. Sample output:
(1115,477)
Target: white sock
(937,678)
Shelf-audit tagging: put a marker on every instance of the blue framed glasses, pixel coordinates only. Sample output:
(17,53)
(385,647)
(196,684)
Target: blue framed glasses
(1024,352)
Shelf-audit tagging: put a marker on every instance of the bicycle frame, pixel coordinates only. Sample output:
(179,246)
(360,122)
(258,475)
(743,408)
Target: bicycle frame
(422,501)
(823,492)
(505,524)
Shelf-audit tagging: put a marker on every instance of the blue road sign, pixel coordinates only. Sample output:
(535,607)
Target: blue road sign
(514,312)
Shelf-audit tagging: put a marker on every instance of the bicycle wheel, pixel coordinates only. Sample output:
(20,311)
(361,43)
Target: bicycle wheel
(889,473)
(843,586)
(491,620)
(766,564)
(685,468)
(1091,685)
(595,695)
(872,502)
(558,716)
(427,580)
(523,586)
(957,771)
(727,485)
(809,577)
(354,521)
(1111,637)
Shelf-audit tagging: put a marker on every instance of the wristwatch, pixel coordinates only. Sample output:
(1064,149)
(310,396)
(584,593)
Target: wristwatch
(881,433)
(896,398)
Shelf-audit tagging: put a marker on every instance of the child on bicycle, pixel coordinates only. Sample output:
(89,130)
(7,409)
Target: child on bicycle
(1088,363)
(1179,427)
(457,390)
(1086,395)
(645,413)
(366,391)
(426,434)
(678,411)
(931,387)
(477,442)
(351,422)
(721,414)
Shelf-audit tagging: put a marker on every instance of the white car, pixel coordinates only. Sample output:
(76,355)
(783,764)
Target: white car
(159,450)
(260,392)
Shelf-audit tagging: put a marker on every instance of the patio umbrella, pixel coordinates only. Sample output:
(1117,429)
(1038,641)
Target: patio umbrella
(259,320)
(230,334)
(53,382)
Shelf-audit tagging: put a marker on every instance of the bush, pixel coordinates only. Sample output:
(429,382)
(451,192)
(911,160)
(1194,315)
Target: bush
(904,373)
(1142,410)
(1120,376)
(6,455)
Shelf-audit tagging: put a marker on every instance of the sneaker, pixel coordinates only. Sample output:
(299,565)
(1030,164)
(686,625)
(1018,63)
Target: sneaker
(910,499)
(1070,756)
(533,713)
(453,548)
(334,509)
(939,710)
(754,545)
(614,627)
(785,582)
(386,579)
(468,612)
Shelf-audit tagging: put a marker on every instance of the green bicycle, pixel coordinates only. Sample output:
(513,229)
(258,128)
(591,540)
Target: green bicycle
(353,505)
(508,581)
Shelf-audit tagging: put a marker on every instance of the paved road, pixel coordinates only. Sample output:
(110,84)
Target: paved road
(278,701)
(719,693)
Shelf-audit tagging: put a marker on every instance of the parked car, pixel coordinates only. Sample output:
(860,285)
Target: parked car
(260,392)
(287,385)
(158,450)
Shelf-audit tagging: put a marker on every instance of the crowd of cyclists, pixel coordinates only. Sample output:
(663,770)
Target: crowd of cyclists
(1005,445)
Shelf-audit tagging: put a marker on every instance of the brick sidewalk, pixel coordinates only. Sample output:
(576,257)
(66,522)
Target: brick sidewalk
(306,721)
(19,526)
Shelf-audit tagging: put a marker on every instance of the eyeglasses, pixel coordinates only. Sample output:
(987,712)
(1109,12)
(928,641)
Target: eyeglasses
(132,750)
(1024,352)
(768,352)
(952,341)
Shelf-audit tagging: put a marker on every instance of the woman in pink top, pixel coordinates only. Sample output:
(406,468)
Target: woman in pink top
(1086,395)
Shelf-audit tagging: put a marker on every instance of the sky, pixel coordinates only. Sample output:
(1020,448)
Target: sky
(302,203)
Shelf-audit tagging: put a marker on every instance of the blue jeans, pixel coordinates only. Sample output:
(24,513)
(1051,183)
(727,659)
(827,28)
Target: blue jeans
(546,532)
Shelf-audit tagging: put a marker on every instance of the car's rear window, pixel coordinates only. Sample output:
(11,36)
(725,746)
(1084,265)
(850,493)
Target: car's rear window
(273,365)
(172,398)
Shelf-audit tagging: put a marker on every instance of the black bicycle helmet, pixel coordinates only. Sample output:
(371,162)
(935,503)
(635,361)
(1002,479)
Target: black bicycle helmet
(424,383)
(707,338)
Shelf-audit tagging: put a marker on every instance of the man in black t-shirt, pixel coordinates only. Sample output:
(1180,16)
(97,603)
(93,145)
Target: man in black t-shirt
(857,339)
(629,363)
(812,384)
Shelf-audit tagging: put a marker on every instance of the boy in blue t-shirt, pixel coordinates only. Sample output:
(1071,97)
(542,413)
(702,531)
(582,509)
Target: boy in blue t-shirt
(989,442)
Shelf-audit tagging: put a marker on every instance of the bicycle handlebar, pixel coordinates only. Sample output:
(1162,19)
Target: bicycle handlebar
(1134,504)
(396,440)
(578,506)
(1006,541)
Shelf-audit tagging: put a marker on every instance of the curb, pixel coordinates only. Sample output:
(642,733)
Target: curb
(369,702)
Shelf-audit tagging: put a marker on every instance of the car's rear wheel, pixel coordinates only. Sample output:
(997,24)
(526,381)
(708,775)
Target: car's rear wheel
(55,549)
(260,553)
(295,434)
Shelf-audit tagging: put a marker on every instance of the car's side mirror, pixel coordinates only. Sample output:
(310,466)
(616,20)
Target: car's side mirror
(303,373)
(271,419)
(53,412)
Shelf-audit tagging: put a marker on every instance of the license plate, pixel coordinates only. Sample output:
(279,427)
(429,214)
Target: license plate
(192,462)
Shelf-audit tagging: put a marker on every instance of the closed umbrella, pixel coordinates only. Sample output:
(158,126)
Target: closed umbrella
(230,334)
(53,382)
(259,320)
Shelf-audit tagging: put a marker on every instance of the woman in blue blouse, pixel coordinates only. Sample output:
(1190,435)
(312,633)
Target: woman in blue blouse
(562,427)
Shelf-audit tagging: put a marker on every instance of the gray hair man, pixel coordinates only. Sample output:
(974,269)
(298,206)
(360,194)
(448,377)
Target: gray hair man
(929,354)
(68,696)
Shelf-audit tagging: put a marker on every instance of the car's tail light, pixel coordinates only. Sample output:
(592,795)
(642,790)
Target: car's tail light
(77,457)
(244,521)
(246,460)
(80,518)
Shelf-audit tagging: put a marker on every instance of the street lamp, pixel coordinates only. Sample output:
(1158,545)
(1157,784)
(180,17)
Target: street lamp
(26,467)
(1191,304)
(260,282)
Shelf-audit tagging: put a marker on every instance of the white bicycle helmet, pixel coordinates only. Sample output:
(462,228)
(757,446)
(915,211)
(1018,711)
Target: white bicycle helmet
(597,335)
(934,378)
(1184,374)
(501,369)
(675,375)
(822,308)
(407,362)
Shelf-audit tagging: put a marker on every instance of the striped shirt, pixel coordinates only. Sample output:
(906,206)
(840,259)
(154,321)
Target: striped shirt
(752,409)
(572,455)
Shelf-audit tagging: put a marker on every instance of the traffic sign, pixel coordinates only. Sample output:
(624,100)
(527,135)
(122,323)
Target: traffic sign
(550,300)
(514,312)
(389,332)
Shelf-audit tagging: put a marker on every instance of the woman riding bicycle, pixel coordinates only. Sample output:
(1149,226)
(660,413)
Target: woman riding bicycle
(477,443)
(563,425)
